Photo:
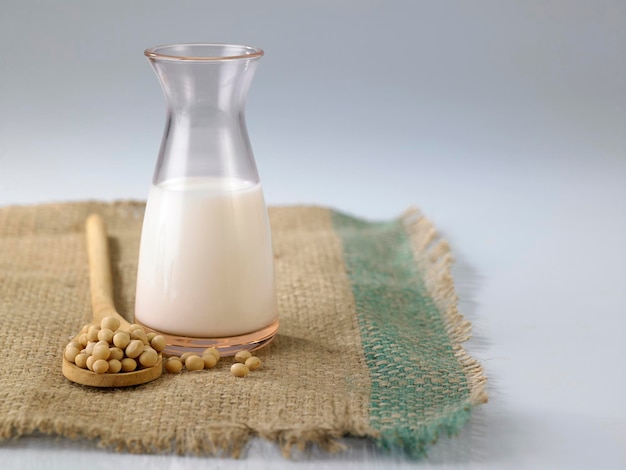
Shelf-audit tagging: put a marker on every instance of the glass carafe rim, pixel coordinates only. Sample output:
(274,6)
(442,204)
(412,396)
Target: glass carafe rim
(244,52)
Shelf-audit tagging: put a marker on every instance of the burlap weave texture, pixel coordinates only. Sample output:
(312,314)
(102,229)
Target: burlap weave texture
(323,376)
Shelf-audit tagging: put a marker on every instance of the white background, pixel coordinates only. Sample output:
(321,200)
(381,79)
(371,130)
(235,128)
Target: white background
(505,121)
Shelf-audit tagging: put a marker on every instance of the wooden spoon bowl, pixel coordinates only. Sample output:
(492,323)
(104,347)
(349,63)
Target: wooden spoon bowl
(101,286)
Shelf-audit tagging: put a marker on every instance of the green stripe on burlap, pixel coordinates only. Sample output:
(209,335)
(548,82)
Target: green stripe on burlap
(422,381)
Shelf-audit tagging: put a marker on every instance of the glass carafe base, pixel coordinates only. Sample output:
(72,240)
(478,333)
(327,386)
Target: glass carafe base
(227,346)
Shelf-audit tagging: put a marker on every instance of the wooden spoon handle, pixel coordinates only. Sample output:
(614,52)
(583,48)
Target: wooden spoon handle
(100,278)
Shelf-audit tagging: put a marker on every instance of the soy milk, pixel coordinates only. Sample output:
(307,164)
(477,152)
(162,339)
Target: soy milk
(205,264)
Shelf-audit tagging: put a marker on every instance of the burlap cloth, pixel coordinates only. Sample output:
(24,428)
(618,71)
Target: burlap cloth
(369,342)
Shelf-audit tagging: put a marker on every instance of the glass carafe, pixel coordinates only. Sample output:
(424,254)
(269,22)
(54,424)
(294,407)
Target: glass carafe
(206,272)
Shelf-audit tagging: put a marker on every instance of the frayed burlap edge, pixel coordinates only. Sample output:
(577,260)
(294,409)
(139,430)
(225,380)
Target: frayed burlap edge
(221,440)
(432,259)
(433,255)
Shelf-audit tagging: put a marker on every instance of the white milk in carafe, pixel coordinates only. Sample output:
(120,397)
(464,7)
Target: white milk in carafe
(205,264)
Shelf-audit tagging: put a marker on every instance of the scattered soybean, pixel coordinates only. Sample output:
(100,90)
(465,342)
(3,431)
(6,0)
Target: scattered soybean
(242,356)
(194,362)
(239,370)
(253,363)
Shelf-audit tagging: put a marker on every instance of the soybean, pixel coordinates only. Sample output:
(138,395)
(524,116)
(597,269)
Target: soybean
(100,366)
(239,370)
(121,339)
(128,364)
(173,365)
(242,356)
(214,351)
(158,343)
(89,347)
(101,352)
(149,358)
(114,366)
(209,361)
(105,334)
(134,348)
(82,339)
(194,362)
(81,360)
(116,353)
(92,333)
(112,323)
(253,363)
(140,335)
(71,352)
(134,327)
(185,355)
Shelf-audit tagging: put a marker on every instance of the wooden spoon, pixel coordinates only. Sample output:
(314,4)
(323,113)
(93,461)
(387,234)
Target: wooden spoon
(102,305)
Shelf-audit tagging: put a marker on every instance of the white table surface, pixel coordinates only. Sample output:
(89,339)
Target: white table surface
(505,121)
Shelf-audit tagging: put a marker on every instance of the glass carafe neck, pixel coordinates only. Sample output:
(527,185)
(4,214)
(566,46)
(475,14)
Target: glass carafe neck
(205,87)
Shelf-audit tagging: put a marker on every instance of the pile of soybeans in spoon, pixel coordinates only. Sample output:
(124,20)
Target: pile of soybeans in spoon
(104,348)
